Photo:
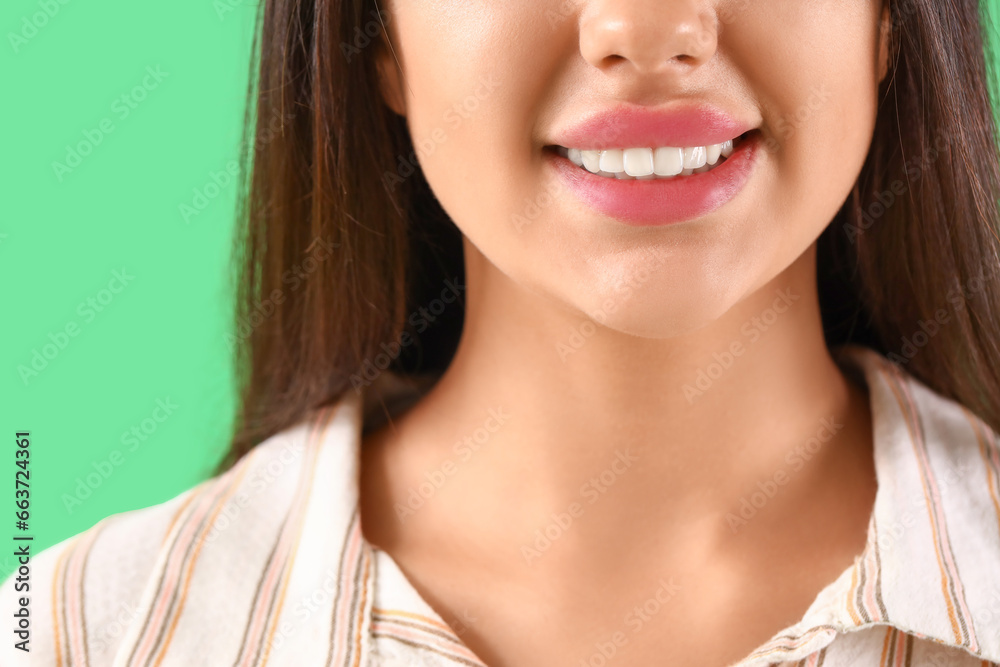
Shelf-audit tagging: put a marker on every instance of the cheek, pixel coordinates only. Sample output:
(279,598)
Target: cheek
(813,68)
(470,104)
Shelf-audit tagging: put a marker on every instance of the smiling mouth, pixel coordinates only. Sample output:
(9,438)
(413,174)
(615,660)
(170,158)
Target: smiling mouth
(657,163)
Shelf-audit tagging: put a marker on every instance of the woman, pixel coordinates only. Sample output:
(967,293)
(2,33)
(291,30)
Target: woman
(591,332)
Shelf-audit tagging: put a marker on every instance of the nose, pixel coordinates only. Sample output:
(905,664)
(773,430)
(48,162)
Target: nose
(649,36)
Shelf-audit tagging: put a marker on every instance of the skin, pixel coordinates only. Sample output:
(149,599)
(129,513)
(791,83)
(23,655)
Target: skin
(807,74)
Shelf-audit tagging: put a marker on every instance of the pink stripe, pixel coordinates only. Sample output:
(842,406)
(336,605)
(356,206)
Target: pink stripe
(261,609)
(791,643)
(281,555)
(940,519)
(174,566)
(347,592)
(900,648)
(406,632)
(73,604)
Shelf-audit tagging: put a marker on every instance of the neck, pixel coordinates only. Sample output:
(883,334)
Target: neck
(546,409)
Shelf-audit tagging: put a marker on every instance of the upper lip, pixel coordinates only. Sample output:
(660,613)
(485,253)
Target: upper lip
(629,126)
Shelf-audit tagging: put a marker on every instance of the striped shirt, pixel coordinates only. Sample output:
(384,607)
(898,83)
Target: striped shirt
(266,564)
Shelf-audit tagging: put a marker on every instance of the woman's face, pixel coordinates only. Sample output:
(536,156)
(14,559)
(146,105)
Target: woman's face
(491,89)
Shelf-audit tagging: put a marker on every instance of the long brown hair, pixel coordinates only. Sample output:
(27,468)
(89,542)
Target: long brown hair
(340,236)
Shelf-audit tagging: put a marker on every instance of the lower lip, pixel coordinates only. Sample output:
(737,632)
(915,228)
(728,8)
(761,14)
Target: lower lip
(662,201)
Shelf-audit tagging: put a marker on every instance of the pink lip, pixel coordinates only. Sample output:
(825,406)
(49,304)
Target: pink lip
(662,201)
(632,127)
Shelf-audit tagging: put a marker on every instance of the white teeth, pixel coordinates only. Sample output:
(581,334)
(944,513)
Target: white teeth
(668,161)
(713,153)
(695,157)
(638,161)
(613,160)
(649,163)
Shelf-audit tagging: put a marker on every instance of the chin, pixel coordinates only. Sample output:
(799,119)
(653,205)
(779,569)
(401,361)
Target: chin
(666,316)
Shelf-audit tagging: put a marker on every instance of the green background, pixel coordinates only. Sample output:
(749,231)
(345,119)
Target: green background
(63,235)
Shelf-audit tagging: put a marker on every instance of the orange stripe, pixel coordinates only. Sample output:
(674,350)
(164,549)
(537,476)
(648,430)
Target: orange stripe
(276,568)
(992,464)
(952,615)
(180,510)
(787,644)
(885,646)
(311,471)
(429,637)
(168,579)
(419,639)
(59,574)
(948,554)
(361,607)
(852,595)
(345,591)
(407,614)
(273,568)
(194,558)
(74,604)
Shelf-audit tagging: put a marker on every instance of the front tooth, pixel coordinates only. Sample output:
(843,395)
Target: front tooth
(613,160)
(695,157)
(638,161)
(591,160)
(713,153)
(727,148)
(667,161)
(575,157)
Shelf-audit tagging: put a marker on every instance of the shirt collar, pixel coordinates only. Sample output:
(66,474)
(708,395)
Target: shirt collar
(931,564)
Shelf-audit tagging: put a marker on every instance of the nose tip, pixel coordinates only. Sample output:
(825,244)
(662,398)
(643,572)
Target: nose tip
(651,36)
